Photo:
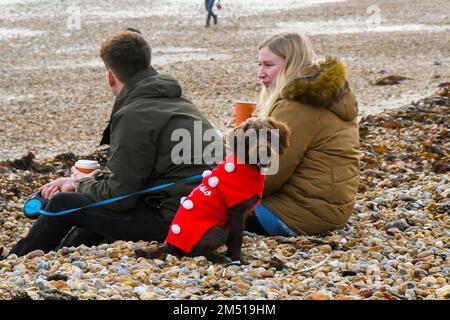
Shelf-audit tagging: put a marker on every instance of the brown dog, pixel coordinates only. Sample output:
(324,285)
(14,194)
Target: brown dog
(255,144)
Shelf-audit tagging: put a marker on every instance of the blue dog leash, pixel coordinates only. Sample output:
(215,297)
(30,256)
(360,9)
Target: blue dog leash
(34,206)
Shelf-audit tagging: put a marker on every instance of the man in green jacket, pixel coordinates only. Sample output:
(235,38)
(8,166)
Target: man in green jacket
(148,108)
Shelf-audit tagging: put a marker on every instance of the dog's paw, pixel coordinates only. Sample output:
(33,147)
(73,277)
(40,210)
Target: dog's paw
(218,258)
(151,252)
(139,252)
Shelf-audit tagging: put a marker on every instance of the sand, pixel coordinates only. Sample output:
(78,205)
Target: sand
(54,99)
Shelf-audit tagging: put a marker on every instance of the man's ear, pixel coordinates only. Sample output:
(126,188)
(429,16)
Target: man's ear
(110,77)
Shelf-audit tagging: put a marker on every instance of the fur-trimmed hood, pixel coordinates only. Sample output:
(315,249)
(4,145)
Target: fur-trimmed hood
(327,87)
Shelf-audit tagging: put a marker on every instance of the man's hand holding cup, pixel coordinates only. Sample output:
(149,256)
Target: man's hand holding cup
(85,169)
(82,169)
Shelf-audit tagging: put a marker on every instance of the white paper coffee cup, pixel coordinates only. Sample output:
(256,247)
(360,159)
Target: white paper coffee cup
(87,166)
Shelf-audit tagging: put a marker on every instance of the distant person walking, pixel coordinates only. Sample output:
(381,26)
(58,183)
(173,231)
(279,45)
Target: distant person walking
(209,5)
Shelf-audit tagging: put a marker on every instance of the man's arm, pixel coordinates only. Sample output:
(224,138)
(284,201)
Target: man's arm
(133,155)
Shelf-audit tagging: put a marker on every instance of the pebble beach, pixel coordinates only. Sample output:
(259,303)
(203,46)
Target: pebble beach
(54,105)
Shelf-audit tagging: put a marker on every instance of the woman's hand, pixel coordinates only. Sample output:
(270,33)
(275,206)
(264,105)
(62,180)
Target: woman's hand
(49,190)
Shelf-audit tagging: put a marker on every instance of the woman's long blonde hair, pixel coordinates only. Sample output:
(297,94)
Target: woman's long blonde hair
(298,55)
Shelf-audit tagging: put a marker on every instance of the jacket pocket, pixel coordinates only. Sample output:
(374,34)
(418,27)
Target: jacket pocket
(344,184)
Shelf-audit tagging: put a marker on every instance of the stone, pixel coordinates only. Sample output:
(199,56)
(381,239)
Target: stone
(103,273)
(159,263)
(443,292)
(434,270)
(406,197)
(268,273)
(428,281)
(76,256)
(241,288)
(43,265)
(401,224)
(345,297)
(410,294)
(58,284)
(356,267)
(318,296)
(185,270)
(419,215)
(19,269)
(439,244)
(140,290)
(175,294)
(41,284)
(122,270)
(99,284)
(420,244)
(423,254)
(80,264)
(325,249)
(34,254)
(201,261)
(171,259)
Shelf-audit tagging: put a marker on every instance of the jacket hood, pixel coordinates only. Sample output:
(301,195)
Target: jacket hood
(147,83)
(327,87)
(150,84)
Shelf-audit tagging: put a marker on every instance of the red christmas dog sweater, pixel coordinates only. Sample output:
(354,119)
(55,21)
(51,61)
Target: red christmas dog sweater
(229,184)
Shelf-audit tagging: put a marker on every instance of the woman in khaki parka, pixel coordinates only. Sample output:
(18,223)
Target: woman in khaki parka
(315,187)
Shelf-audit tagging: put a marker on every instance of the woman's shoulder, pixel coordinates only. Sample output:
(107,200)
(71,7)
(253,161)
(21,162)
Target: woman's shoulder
(327,90)
(290,107)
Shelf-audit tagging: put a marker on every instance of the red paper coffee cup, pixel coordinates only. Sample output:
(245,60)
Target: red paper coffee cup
(243,111)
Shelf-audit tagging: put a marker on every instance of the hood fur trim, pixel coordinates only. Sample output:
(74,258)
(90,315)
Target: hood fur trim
(321,89)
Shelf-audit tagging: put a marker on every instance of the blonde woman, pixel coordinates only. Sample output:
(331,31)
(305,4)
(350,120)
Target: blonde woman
(316,185)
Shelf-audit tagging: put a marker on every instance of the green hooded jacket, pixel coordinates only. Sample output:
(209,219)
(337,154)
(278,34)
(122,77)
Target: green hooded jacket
(145,114)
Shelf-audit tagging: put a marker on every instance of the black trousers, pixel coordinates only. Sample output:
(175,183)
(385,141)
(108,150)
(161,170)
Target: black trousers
(91,226)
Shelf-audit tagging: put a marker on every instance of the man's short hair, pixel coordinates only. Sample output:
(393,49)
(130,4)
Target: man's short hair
(126,53)
(134,30)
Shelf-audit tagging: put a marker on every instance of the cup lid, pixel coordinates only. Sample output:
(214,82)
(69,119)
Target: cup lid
(87,164)
(244,102)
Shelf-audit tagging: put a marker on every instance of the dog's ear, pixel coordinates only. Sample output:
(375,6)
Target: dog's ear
(284,134)
(243,141)
(233,138)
